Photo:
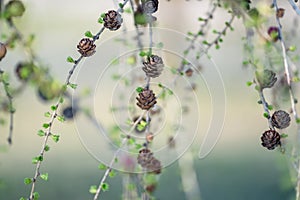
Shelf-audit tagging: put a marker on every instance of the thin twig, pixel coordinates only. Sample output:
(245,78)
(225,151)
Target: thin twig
(20,36)
(220,34)
(54,115)
(266,109)
(196,35)
(295,7)
(48,131)
(139,41)
(109,167)
(150,38)
(10,106)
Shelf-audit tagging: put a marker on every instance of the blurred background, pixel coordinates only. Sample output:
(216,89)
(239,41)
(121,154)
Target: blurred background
(238,167)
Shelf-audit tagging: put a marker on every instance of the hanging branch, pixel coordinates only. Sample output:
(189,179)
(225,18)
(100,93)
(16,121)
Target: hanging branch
(110,166)
(200,32)
(289,83)
(84,53)
(10,105)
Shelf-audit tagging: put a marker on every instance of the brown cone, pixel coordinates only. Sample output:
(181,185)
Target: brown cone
(270,139)
(146,99)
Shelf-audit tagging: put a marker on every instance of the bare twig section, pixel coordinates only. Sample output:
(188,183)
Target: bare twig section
(266,108)
(10,106)
(138,34)
(294,6)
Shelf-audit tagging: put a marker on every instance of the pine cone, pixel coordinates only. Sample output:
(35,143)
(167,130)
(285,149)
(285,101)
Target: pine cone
(144,158)
(86,47)
(266,78)
(270,139)
(153,66)
(281,119)
(148,161)
(150,6)
(151,188)
(112,20)
(189,72)
(146,99)
(155,166)
(2,50)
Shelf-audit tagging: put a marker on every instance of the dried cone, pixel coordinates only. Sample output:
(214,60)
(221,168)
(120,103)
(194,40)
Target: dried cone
(189,72)
(266,78)
(144,158)
(146,99)
(155,166)
(2,50)
(148,161)
(281,119)
(280,12)
(270,139)
(112,20)
(150,188)
(86,47)
(153,66)
(150,6)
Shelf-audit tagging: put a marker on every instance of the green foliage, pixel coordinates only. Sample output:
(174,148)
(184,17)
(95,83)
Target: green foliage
(139,89)
(112,173)
(27,181)
(53,107)
(60,118)
(41,133)
(102,166)
(266,115)
(36,196)
(47,148)
(47,114)
(93,189)
(37,159)
(44,176)
(46,125)
(73,85)
(89,34)
(105,187)
(55,138)
(70,59)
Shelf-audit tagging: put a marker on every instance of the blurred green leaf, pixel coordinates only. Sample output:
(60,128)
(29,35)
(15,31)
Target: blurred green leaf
(88,34)
(45,176)
(55,138)
(93,189)
(102,166)
(27,181)
(105,187)
(70,59)
(41,133)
